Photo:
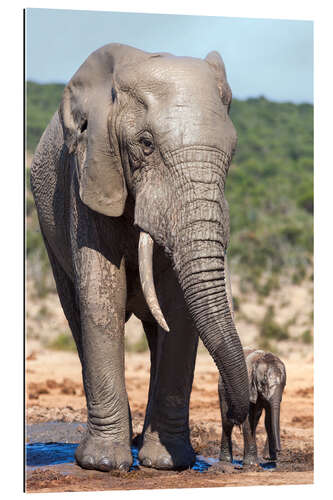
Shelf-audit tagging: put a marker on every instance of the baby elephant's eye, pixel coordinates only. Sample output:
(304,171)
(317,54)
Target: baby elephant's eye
(147,145)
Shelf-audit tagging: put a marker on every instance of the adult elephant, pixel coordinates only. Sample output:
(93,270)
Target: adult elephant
(137,155)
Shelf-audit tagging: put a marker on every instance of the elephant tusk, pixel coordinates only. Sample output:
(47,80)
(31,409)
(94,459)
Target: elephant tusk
(146,245)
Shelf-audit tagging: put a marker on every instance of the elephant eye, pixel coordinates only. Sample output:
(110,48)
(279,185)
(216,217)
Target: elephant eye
(147,145)
(146,142)
(84,126)
(113,94)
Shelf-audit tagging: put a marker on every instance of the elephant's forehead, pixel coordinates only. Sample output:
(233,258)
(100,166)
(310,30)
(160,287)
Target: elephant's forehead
(164,75)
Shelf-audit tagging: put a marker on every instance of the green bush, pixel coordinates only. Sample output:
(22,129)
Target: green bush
(235,301)
(64,342)
(140,346)
(271,284)
(42,102)
(269,329)
(307,337)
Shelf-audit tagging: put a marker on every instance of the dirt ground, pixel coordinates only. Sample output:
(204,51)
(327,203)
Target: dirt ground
(55,393)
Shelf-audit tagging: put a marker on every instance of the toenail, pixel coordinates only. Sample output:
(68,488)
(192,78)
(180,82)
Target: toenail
(105,464)
(165,462)
(87,462)
(124,466)
(147,462)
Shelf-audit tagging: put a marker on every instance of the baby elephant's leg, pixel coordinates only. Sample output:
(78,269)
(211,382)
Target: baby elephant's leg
(227,426)
(266,455)
(249,434)
(226,442)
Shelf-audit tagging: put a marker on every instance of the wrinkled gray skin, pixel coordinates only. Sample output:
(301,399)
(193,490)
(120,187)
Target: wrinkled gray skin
(267,379)
(141,142)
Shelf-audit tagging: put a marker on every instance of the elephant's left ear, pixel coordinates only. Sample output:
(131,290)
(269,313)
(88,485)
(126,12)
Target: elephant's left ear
(216,63)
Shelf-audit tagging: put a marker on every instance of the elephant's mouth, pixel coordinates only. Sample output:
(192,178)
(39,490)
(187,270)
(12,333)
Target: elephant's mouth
(146,246)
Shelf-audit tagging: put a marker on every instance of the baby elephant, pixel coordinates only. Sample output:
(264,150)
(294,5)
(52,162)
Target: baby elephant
(267,379)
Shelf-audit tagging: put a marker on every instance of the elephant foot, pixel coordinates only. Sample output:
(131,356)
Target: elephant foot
(225,456)
(101,453)
(250,460)
(269,456)
(166,452)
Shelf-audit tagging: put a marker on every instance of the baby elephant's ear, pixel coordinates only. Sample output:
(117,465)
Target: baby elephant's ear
(87,107)
(253,393)
(216,63)
(253,386)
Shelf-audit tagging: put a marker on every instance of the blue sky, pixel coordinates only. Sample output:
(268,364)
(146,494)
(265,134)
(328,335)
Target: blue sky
(267,57)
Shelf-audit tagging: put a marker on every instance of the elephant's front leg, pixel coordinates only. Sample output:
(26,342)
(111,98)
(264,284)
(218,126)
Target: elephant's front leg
(102,292)
(166,440)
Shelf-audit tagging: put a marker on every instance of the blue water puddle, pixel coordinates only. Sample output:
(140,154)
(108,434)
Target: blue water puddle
(39,454)
(42,454)
(268,465)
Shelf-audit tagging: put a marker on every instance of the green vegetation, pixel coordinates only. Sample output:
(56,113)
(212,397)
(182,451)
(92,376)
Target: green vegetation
(64,342)
(269,189)
(307,337)
(42,101)
(235,302)
(270,330)
(140,345)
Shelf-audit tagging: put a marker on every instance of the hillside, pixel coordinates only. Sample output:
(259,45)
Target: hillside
(270,194)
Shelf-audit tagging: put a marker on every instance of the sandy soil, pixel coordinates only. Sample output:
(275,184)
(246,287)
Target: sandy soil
(55,393)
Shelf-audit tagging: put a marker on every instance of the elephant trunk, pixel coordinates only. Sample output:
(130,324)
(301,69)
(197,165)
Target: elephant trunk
(202,278)
(196,233)
(275,423)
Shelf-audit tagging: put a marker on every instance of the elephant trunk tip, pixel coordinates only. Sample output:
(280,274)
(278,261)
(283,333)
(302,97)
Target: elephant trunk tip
(237,416)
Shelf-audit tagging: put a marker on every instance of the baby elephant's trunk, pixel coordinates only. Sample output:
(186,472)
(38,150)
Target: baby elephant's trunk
(275,420)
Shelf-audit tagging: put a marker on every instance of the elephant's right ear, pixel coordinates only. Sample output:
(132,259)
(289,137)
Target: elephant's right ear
(70,126)
(86,108)
(216,63)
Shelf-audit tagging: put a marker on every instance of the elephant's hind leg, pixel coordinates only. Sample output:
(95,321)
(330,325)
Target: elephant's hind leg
(67,297)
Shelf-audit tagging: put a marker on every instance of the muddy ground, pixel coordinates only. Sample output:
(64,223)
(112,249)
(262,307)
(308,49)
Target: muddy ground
(55,393)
